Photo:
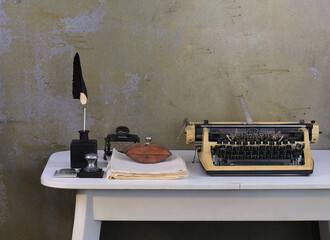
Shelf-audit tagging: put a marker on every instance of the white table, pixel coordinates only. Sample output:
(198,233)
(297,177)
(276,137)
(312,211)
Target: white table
(197,197)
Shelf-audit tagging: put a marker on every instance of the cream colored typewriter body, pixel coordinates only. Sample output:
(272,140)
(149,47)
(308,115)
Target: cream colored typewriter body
(257,148)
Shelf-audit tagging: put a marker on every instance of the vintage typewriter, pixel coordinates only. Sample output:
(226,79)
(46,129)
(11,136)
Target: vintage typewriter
(256,148)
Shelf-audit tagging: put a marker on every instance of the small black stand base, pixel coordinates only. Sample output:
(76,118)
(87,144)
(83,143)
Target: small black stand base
(79,148)
(98,174)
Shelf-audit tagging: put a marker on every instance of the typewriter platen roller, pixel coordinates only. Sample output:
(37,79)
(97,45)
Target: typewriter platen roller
(257,148)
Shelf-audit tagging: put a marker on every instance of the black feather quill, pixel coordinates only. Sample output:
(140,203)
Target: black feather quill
(78,84)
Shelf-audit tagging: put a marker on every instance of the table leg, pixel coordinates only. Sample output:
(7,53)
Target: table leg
(324,227)
(84,226)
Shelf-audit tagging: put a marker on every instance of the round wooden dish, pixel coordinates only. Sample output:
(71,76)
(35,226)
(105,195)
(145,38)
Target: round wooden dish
(147,152)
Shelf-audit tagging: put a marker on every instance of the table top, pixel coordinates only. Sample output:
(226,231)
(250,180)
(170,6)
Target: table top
(197,179)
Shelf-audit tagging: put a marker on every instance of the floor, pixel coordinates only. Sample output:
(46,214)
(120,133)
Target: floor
(210,230)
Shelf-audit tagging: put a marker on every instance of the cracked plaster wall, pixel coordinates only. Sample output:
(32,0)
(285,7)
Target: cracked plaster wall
(147,64)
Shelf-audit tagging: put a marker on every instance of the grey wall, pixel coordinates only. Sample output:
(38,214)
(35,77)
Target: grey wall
(147,64)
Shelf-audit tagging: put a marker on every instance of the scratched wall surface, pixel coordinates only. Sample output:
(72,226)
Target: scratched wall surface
(147,64)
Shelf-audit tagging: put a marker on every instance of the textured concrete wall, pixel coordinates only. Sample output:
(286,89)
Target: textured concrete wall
(147,64)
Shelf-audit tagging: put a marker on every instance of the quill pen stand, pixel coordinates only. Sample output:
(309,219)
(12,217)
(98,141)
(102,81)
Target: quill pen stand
(82,146)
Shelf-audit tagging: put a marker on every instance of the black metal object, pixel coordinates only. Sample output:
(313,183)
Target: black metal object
(122,135)
(98,174)
(79,148)
(252,132)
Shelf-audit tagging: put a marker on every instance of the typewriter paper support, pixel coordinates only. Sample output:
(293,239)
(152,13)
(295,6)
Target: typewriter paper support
(257,148)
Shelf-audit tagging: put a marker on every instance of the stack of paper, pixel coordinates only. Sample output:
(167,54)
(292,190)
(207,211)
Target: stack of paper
(122,167)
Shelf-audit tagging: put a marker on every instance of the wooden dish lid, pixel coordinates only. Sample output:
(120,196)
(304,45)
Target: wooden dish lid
(147,152)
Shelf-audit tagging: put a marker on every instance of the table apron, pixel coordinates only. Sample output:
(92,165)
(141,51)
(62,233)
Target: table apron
(210,205)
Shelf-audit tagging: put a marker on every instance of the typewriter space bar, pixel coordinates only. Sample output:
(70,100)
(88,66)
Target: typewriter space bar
(241,162)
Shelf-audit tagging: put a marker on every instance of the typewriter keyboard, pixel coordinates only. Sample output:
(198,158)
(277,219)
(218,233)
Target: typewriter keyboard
(240,155)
